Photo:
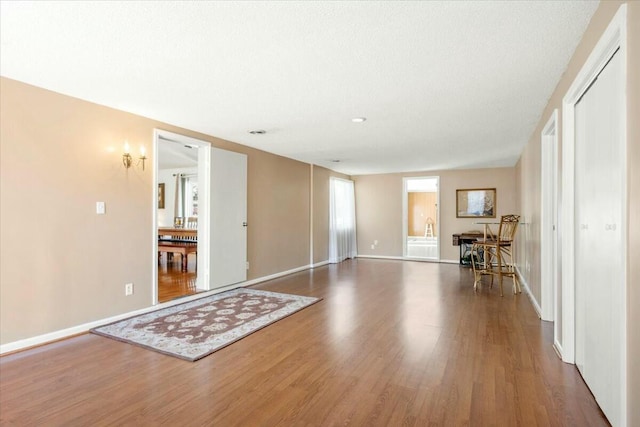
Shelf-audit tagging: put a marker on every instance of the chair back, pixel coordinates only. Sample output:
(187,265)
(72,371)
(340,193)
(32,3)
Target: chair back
(508,227)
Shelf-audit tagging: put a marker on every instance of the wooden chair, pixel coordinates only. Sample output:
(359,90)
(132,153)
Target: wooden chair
(493,255)
(184,245)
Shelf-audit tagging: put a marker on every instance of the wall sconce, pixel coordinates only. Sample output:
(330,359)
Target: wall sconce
(127,160)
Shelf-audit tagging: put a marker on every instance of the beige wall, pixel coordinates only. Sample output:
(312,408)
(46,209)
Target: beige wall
(528,246)
(379,207)
(62,265)
(529,180)
(278,214)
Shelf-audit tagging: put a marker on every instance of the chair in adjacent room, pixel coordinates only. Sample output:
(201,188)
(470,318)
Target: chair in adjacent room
(493,255)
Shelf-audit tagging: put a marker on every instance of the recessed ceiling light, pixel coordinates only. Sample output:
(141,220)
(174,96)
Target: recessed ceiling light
(258,132)
(358,119)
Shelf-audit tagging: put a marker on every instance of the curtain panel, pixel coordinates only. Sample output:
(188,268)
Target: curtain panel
(342,220)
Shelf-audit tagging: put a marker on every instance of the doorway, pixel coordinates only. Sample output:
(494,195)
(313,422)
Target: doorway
(214,191)
(180,177)
(421,223)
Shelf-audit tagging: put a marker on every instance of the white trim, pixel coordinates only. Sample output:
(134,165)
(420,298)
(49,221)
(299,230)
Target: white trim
(311,214)
(548,217)
(399,258)
(204,170)
(614,38)
(405,217)
(320,264)
(558,347)
(419,259)
(527,291)
(85,327)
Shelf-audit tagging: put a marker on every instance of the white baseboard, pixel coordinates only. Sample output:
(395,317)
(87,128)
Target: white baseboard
(535,304)
(442,261)
(320,264)
(85,327)
(558,348)
(275,275)
(381,257)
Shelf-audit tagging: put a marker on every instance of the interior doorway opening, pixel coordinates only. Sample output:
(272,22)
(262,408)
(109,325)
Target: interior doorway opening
(421,218)
(180,176)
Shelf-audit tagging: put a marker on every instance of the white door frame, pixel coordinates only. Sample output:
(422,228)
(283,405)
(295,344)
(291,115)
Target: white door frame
(405,216)
(549,218)
(613,39)
(204,171)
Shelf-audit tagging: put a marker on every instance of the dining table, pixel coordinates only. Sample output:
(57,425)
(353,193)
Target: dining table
(178,232)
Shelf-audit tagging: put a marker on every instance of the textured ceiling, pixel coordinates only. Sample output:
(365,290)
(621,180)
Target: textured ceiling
(457,84)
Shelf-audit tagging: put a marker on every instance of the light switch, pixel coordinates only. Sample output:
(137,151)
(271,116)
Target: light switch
(100,208)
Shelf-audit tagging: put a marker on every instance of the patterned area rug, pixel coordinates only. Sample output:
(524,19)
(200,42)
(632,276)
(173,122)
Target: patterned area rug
(197,328)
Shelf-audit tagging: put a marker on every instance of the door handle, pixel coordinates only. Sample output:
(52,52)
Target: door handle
(244,224)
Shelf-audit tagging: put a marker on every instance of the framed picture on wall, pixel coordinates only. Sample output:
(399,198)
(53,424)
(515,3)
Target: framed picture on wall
(161,195)
(476,203)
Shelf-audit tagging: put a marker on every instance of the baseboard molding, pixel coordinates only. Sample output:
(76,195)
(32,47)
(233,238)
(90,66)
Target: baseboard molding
(399,258)
(527,289)
(85,327)
(558,348)
(275,275)
(320,264)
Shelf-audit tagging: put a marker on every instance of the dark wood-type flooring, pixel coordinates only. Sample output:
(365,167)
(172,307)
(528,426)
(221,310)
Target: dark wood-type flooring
(172,281)
(392,344)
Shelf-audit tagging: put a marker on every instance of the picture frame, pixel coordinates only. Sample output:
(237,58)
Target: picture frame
(161,195)
(476,203)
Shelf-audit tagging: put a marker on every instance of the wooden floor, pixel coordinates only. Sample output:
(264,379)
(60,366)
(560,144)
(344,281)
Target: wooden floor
(392,343)
(172,281)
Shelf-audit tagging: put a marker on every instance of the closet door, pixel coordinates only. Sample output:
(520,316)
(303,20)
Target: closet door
(599,255)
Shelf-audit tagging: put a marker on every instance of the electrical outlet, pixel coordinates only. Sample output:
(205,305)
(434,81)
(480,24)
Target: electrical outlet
(128,289)
(373,246)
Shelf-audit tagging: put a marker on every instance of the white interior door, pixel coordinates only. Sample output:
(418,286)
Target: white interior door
(228,227)
(599,254)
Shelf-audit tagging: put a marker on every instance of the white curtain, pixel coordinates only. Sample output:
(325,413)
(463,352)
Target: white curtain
(178,202)
(342,220)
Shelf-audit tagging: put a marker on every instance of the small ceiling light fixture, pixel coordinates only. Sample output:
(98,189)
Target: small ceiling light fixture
(127,160)
(359,119)
(258,132)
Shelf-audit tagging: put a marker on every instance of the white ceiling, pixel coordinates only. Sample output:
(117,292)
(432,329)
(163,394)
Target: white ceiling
(173,155)
(457,84)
